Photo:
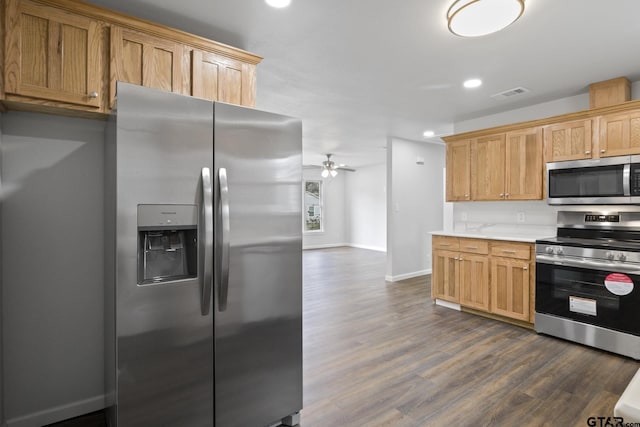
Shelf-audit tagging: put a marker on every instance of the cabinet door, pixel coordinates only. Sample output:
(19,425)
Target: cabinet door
(223,79)
(510,284)
(620,134)
(488,168)
(458,171)
(474,281)
(144,60)
(524,165)
(568,141)
(52,55)
(444,280)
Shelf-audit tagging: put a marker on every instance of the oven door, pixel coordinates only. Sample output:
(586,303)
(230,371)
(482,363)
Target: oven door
(592,292)
(595,181)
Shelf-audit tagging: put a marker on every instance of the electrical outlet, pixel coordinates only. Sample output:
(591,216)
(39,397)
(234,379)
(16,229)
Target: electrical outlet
(464,216)
(521,217)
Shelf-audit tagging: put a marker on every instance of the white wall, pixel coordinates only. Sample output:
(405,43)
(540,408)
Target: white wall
(414,206)
(333,212)
(556,107)
(366,207)
(52,271)
(500,217)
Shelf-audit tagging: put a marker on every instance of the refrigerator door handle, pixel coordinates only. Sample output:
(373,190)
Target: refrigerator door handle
(224,236)
(206,243)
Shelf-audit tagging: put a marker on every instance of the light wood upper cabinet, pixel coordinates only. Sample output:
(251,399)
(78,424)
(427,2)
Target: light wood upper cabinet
(507,166)
(65,56)
(510,287)
(144,60)
(620,134)
(458,171)
(223,79)
(568,141)
(474,281)
(524,170)
(52,55)
(488,167)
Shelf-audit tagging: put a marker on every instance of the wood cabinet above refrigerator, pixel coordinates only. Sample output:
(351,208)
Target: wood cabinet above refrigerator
(64,57)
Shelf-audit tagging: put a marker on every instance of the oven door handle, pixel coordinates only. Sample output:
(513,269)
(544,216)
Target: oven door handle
(591,265)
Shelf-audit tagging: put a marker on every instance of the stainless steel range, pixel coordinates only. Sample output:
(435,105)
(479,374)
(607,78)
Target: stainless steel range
(588,281)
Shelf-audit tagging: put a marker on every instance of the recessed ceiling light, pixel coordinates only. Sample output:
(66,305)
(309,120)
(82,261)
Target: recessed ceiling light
(428,133)
(473,18)
(278,3)
(471,83)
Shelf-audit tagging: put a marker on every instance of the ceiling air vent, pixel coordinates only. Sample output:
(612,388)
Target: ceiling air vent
(510,93)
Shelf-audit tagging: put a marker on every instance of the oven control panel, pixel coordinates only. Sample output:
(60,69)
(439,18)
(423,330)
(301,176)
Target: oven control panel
(601,218)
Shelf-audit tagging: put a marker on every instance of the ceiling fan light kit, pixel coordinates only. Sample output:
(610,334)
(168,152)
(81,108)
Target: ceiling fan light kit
(330,168)
(474,18)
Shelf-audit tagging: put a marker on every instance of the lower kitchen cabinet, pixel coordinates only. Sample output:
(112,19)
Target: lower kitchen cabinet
(474,281)
(510,282)
(486,276)
(444,280)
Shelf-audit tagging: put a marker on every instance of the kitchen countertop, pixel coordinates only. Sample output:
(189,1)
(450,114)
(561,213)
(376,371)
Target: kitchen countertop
(528,238)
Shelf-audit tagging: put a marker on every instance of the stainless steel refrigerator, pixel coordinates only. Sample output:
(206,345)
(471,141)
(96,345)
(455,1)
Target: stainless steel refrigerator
(203,263)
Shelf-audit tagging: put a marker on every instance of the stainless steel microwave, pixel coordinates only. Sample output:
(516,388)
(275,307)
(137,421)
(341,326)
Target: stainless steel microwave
(606,181)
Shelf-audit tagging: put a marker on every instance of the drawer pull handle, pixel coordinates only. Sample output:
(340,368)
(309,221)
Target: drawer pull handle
(504,251)
(471,247)
(445,244)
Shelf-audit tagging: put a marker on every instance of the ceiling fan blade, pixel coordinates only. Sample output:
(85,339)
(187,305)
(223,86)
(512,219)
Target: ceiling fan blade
(311,166)
(342,168)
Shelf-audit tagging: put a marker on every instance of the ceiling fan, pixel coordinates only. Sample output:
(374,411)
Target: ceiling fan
(329,167)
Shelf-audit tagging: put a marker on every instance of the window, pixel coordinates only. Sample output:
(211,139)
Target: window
(313,206)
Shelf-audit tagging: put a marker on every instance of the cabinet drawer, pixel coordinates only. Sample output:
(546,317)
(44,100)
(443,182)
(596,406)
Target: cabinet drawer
(474,246)
(445,242)
(511,250)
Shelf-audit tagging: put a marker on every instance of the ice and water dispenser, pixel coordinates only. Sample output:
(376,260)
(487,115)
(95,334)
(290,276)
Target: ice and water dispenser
(167,243)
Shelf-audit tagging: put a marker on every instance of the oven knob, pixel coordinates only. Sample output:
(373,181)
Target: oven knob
(548,250)
(559,251)
(609,256)
(622,257)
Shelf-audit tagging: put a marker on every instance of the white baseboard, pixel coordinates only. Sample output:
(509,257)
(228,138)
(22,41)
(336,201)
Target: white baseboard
(326,246)
(58,413)
(371,248)
(407,275)
(448,304)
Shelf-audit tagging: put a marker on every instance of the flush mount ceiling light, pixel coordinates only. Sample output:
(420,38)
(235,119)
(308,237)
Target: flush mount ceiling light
(474,18)
(472,83)
(278,3)
(428,133)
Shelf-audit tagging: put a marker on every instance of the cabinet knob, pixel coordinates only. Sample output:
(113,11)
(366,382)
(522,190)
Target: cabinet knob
(93,95)
(603,151)
(466,195)
(501,195)
(525,268)
(587,152)
(507,195)
(460,259)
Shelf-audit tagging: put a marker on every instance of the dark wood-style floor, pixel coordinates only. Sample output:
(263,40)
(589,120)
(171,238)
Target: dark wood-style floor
(381,354)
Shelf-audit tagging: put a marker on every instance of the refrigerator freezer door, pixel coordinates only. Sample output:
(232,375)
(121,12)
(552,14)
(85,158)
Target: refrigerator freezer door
(164,343)
(258,320)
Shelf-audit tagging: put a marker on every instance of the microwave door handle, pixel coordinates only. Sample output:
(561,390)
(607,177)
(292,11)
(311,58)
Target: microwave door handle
(626,179)
(206,242)
(223,282)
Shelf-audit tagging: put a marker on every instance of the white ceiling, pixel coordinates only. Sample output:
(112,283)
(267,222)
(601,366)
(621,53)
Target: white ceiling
(360,71)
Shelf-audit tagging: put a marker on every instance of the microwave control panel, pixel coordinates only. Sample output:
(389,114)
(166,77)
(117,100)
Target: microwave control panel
(635,179)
